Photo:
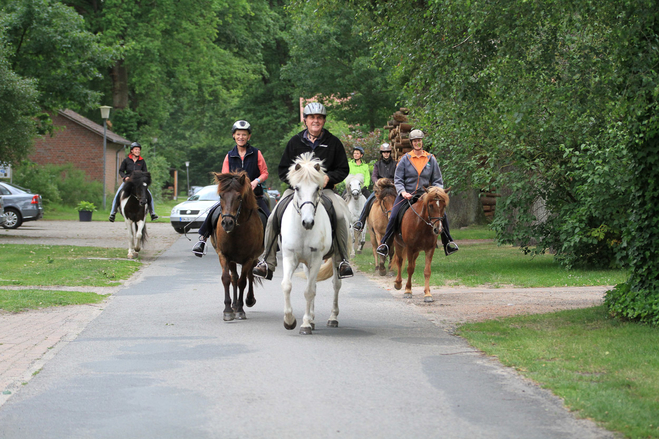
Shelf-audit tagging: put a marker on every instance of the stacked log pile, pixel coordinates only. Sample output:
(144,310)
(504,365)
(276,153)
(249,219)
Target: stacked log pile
(489,202)
(399,133)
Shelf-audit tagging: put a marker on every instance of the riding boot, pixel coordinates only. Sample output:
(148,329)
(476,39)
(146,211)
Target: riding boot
(111,218)
(154,216)
(450,247)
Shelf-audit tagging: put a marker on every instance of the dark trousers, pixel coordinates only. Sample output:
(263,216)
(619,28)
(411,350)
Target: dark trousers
(205,229)
(367,208)
(391,225)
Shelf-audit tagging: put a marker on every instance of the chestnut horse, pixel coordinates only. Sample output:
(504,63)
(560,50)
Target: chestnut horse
(421,225)
(378,217)
(238,239)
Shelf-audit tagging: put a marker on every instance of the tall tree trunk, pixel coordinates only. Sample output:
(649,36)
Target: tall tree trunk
(119,76)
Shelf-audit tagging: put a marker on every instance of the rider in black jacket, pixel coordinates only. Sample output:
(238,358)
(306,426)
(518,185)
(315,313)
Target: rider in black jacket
(134,162)
(328,148)
(383,168)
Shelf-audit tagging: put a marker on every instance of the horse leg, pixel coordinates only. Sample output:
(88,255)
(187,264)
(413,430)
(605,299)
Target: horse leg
(427,297)
(226,281)
(242,283)
(132,254)
(362,241)
(234,284)
(250,300)
(137,243)
(286,286)
(310,295)
(411,265)
(333,321)
(398,262)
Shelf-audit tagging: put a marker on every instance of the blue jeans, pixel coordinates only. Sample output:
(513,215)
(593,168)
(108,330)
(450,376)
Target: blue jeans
(115,201)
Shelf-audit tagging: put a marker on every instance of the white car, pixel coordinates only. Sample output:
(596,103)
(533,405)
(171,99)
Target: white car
(191,214)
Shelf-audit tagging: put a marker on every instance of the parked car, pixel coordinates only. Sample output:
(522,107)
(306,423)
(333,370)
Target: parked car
(191,214)
(20,205)
(2,213)
(274,193)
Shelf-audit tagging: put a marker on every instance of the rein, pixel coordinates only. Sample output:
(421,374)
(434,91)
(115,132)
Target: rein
(298,207)
(431,220)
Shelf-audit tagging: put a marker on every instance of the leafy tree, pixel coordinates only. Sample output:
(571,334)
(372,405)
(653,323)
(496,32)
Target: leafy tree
(331,58)
(47,41)
(19,104)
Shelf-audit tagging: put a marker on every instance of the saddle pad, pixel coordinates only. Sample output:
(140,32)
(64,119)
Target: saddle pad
(403,208)
(284,202)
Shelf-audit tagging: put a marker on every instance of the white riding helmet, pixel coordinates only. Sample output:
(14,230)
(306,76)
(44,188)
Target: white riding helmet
(241,125)
(416,134)
(314,108)
(385,147)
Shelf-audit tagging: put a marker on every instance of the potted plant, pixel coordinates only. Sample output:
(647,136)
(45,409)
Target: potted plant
(85,209)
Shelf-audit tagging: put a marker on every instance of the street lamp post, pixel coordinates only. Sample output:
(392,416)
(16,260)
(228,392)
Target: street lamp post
(105,113)
(187,174)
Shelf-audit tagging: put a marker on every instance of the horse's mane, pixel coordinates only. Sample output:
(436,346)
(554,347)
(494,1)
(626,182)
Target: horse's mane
(306,168)
(384,188)
(137,177)
(232,181)
(351,177)
(433,192)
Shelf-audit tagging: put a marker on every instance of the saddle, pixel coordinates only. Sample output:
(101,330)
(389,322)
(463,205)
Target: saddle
(215,214)
(284,202)
(403,209)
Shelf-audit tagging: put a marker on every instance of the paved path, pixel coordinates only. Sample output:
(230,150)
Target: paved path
(159,362)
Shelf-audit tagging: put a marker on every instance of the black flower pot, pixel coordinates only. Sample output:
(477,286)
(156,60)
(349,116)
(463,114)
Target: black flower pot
(85,215)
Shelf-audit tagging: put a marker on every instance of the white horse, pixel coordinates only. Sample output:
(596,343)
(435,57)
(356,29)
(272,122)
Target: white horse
(306,237)
(356,201)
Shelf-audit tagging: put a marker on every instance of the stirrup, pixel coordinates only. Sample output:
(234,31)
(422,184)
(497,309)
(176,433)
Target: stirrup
(451,248)
(111,217)
(262,270)
(382,250)
(358,226)
(154,217)
(345,270)
(199,249)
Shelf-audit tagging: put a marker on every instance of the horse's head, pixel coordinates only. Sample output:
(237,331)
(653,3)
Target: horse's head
(435,201)
(236,195)
(138,182)
(354,183)
(385,193)
(307,178)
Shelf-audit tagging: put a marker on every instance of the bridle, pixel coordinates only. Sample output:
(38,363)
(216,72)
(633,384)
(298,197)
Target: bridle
(237,215)
(432,222)
(298,207)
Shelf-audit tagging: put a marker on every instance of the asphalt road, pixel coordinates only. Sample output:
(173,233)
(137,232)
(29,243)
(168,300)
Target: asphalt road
(159,362)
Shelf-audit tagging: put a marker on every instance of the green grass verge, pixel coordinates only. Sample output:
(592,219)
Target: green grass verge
(473,232)
(56,212)
(64,265)
(603,368)
(487,264)
(23,300)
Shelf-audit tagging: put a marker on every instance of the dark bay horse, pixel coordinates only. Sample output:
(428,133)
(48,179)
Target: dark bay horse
(421,225)
(238,239)
(133,205)
(378,217)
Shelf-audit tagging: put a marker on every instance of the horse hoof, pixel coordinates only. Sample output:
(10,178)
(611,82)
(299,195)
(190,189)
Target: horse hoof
(305,330)
(333,323)
(241,316)
(313,325)
(291,326)
(228,316)
(407,296)
(382,272)
(428,299)
(359,252)
(250,302)
(398,285)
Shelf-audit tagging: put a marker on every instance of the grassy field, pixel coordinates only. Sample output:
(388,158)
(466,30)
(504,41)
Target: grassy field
(43,265)
(487,264)
(603,368)
(23,300)
(55,212)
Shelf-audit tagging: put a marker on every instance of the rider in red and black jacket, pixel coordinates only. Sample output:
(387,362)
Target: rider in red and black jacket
(134,162)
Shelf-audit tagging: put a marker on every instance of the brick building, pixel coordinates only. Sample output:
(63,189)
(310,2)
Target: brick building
(78,140)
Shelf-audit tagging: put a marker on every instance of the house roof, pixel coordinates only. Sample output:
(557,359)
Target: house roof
(93,126)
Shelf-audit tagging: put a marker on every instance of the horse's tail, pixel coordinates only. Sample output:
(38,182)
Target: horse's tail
(326,270)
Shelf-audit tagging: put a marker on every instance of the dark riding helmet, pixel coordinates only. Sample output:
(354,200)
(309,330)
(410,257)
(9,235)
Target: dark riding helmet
(358,148)
(135,145)
(241,125)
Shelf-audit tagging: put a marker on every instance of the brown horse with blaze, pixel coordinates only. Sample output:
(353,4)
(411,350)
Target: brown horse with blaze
(421,225)
(378,217)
